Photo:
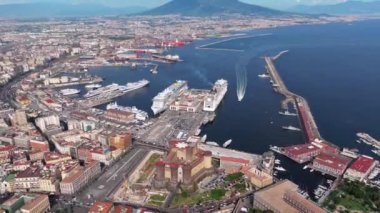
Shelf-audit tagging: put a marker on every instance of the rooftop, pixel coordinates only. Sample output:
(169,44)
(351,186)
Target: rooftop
(362,164)
(333,161)
(101,207)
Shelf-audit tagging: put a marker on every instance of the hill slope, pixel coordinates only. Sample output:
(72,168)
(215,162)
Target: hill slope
(45,10)
(349,7)
(211,7)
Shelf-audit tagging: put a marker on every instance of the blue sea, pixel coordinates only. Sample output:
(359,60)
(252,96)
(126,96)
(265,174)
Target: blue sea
(336,67)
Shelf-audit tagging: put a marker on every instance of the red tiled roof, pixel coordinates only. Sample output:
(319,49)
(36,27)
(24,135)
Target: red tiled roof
(333,161)
(101,207)
(362,164)
(235,160)
(300,149)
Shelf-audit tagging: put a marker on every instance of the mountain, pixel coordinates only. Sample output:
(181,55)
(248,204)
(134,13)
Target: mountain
(346,8)
(47,10)
(211,7)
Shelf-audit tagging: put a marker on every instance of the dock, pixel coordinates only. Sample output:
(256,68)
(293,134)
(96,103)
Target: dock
(305,116)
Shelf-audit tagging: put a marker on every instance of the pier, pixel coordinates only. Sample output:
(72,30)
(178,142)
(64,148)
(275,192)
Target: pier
(91,80)
(306,118)
(206,46)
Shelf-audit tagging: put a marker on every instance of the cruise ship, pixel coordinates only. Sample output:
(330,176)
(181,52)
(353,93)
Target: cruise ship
(140,114)
(114,88)
(217,94)
(162,101)
(67,92)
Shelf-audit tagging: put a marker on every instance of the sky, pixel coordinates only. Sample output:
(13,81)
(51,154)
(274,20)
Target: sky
(278,4)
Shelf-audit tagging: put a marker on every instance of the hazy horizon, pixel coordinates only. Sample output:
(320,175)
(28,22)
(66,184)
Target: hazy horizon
(283,4)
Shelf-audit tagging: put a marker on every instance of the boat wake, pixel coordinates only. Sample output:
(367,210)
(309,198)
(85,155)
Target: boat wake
(241,81)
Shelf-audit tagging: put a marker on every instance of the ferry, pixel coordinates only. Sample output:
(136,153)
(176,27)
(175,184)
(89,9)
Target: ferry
(287,113)
(162,101)
(139,114)
(93,86)
(292,128)
(279,168)
(263,75)
(67,92)
(227,143)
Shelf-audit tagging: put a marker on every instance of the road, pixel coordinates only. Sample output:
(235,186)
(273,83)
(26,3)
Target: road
(105,185)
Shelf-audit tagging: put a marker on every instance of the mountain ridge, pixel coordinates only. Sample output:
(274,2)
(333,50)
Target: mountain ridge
(345,8)
(211,7)
(46,10)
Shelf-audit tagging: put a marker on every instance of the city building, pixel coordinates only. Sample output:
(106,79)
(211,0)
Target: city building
(361,167)
(49,124)
(120,141)
(79,177)
(282,197)
(19,118)
(332,164)
(119,116)
(302,153)
(13,204)
(28,180)
(39,204)
(184,164)
(39,144)
(258,178)
(233,164)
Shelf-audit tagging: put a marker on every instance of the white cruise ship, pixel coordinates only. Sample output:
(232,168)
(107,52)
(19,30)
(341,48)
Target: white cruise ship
(217,94)
(117,88)
(140,114)
(162,101)
(67,92)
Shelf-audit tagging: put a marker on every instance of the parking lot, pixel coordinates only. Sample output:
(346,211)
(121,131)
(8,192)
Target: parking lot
(172,124)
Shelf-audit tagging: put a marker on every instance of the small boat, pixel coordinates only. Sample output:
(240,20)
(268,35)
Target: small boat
(203,139)
(279,168)
(212,143)
(198,131)
(263,75)
(292,128)
(277,161)
(312,170)
(275,149)
(376,151)
(287,113)
(305,167)
(227,143)
(358,141)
